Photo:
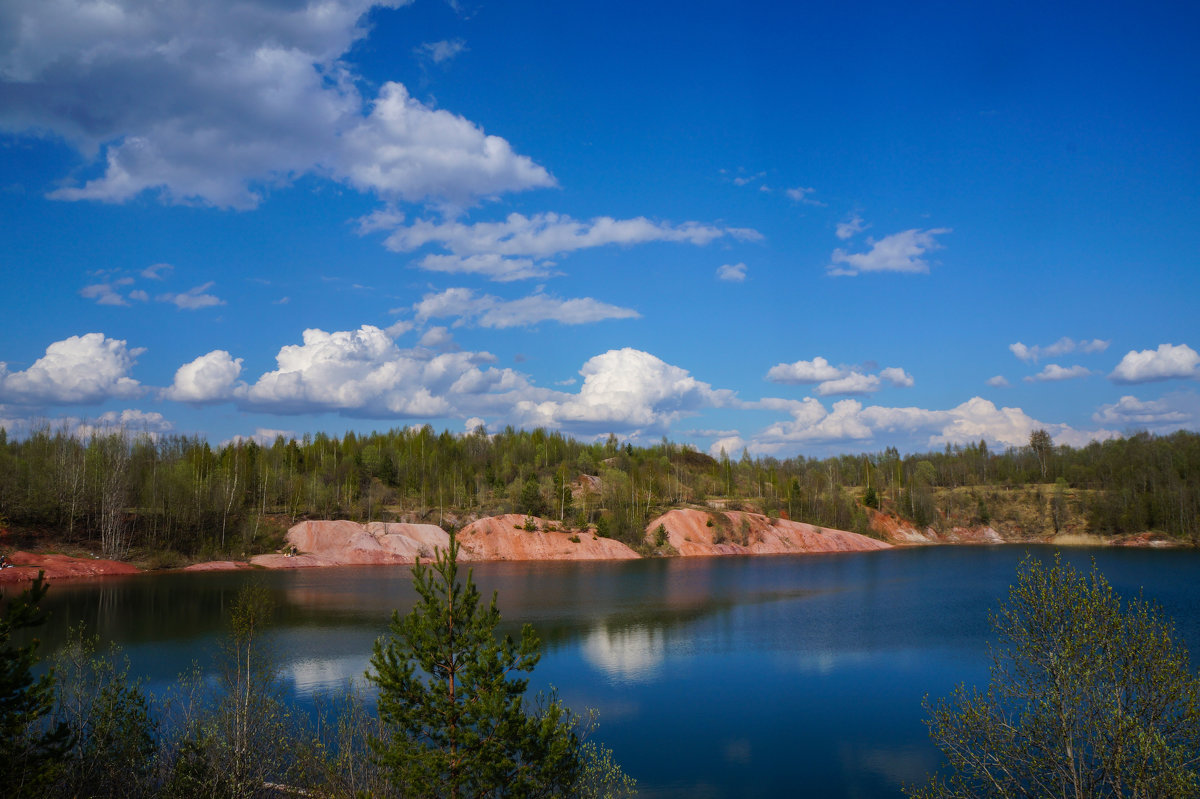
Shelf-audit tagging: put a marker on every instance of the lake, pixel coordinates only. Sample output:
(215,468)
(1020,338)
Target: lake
(713,677)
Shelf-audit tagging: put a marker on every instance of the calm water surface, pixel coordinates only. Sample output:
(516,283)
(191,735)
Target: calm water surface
(721,677)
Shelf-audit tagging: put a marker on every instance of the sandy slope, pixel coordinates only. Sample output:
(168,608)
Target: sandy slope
(741,533)
(498,538)
(343,543)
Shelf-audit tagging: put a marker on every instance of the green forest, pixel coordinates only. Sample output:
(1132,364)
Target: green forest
(124,493)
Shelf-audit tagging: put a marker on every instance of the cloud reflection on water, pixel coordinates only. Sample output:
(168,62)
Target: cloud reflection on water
(625,655)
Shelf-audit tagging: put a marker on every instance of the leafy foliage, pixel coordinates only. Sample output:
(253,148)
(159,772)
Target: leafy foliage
(1089,697)
(115,734)
(29,752)
(239,739)
(452,697)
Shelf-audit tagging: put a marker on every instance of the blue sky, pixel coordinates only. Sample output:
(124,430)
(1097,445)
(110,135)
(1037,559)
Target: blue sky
(791,228)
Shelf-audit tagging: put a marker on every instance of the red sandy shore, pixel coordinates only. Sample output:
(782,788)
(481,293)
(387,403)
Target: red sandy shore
(690,532)
(26,565)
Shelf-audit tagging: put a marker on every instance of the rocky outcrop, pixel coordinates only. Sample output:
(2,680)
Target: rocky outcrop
(505,538)
(343,543)
(26,565)
(699,533)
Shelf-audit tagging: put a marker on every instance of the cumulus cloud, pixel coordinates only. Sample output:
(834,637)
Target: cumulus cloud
(1063,346)
(209,378)
(814,371)
(836,380)
(852,383)
(998,381)
(1053,373)
(78,370)
(623,390)
(897,377)
(851,227)
(731,445)
(900,252)
(406,150)
(1168,362)
(488,311)
(193,299)
(441,51)
(848,421)
(363,373)
(733,273)
(131,420)
(519,247)
(1169,413)
(234,96)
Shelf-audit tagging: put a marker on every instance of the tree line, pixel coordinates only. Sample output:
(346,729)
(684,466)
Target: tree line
(168,493)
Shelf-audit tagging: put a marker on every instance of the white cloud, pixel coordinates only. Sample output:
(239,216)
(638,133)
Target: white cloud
(746,180)
(853,383)
(519,247)
(439,339)
(1061,347)
(624,390)
(77,370)
(157,271)
(1053,373)
(803,194)
(363,373)
(139,296)
(233,96)
(900,252)
(1168,413)
(733,273)
(849,421)
(488,311)
(492,266)
(853,225)
(406,150)
(897,377)
(441,51)
(836,380)
(209,378)
(731,445)
(998,381)
(151,423)
(1168,362)
(193,299)
(106,293)
(815,371)
(263,436)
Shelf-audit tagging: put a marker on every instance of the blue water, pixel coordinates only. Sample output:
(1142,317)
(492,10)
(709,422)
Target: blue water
(716,677)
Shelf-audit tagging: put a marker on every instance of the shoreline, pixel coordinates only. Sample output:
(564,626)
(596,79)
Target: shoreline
(507,538)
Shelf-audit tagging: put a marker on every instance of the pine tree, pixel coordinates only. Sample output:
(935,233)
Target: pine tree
(453,699)
(30,753)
